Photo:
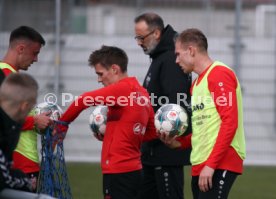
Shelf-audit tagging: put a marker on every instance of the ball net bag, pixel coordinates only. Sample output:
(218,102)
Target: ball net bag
(53,178)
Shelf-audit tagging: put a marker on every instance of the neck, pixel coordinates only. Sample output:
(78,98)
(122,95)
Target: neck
(202,63)
(122,76)
(10,59)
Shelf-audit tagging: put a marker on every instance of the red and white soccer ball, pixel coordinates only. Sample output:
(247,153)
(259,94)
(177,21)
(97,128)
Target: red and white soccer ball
(98,119)
(171,119)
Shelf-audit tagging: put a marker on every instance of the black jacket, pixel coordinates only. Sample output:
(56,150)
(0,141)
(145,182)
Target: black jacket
(9,136)
(2,77)
(165,78)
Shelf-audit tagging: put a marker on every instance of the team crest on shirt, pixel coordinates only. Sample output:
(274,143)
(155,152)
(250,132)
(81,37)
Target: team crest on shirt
(138,128)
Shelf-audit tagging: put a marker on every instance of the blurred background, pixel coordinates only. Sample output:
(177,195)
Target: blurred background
(241,33)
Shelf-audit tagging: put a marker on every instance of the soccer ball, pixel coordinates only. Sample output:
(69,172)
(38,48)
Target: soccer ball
(97,119)
(54,110)
(171,119)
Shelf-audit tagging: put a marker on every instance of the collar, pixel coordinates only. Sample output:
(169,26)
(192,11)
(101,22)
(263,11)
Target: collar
(8,122)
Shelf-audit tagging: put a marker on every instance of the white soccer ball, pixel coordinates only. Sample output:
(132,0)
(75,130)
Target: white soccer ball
(171,119)
(54,111)
(98,119)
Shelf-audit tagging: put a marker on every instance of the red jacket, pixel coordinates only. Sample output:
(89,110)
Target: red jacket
(128,125)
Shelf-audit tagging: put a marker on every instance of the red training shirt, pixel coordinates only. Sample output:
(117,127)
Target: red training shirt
(128,124)
(223,155)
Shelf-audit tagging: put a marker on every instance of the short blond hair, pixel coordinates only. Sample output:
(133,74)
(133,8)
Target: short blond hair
(18,87)
(195,37)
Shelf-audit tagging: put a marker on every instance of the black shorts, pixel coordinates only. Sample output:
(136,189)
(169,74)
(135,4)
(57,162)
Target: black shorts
(122,185)
(222,183)
(162,182)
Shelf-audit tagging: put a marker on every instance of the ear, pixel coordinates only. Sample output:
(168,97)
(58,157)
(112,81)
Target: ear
(157,34)
(192,50)
(20,48)
(25,107)
(115,68)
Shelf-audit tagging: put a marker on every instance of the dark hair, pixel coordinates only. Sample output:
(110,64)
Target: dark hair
(152,20)
(193,36)
(25,32)
(108,55)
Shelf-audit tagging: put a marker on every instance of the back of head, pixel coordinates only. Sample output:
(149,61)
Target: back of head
(153,20)
(18,88)
(195,37)
(26,33)
(109,55)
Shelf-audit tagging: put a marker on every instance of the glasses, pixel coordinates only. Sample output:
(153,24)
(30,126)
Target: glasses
(142,38)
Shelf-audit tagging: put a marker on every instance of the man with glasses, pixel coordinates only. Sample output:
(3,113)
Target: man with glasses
(166,83)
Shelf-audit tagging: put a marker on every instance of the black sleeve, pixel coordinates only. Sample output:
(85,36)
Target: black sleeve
(13,179)
(2,77)
(176,84)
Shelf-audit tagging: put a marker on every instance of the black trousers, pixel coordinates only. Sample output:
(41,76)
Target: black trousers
(222,182)
(162,182)
(122,185)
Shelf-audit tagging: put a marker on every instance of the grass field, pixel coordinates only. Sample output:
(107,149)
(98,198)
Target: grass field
(255,183)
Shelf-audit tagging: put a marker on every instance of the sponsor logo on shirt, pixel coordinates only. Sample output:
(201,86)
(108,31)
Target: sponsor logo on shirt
(138,128)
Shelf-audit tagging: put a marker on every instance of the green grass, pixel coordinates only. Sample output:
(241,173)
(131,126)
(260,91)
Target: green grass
(255,183)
